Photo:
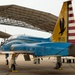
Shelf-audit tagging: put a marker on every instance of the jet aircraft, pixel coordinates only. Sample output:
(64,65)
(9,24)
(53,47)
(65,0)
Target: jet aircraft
(61,43)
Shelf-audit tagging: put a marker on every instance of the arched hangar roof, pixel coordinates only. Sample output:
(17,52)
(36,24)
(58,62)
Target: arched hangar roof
(26,17)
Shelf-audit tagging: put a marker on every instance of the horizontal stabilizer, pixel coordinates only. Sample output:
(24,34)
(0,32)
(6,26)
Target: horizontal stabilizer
(4,35)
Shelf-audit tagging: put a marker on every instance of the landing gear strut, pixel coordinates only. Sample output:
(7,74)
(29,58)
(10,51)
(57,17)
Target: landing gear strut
(58,64)
(37,61)
(7,62)
(12,63)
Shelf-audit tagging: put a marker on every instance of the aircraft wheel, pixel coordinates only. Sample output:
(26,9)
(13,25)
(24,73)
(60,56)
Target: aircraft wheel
(13,67)
(58,65)
(7,62)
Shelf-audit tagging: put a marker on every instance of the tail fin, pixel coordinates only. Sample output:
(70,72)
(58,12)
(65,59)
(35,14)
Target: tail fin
(64,30)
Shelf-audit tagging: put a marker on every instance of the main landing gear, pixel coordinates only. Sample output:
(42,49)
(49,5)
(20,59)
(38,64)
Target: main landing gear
(7,62)
(58,63)
(13,67)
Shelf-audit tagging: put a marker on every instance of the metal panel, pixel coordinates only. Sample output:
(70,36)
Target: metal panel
(26,17)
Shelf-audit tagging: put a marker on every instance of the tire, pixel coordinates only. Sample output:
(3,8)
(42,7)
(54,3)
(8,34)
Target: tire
(13,67)
(58,65)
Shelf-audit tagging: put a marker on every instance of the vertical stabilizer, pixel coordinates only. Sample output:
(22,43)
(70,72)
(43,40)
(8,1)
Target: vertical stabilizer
(62,31)
(71,24)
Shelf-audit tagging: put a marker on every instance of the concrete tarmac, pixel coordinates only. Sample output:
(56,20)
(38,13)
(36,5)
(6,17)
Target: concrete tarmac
(46,67)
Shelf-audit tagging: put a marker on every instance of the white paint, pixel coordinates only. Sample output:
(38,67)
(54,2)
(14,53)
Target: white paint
(71,18)
(70,5)
(71,31)
(71,37)
(71,24)
(71,12)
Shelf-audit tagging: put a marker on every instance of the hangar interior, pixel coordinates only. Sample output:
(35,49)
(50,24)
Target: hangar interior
(14,15)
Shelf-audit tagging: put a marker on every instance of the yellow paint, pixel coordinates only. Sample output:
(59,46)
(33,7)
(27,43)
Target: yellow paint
(56,37)
(60,68)
(14,70)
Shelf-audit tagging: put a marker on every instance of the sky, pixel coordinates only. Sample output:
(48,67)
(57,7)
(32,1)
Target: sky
(50,6)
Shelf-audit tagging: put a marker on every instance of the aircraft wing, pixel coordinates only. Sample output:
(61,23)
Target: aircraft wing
(13,52)
(26,54)
(4,35)
(46,56)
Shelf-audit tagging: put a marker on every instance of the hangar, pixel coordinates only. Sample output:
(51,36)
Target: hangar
(26,17)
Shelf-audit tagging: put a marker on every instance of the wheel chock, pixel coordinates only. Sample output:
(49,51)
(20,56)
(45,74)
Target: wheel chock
(60,68)
(14,70)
